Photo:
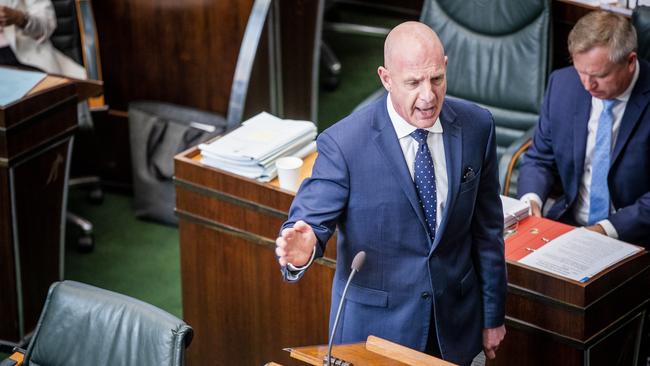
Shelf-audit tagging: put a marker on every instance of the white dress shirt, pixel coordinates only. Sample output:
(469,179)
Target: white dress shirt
(581,208)
(410,147)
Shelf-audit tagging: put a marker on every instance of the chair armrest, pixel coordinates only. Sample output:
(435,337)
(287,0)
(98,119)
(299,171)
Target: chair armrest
(16,359)
(510,158)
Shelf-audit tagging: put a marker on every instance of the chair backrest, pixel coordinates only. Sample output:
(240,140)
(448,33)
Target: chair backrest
(641,21)
(499,55)
(66,35)
(85,325)
(76,36)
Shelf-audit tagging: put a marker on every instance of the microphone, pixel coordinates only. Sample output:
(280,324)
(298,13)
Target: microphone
(357,263)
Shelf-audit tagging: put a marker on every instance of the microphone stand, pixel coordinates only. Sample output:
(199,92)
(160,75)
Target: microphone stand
(357,262)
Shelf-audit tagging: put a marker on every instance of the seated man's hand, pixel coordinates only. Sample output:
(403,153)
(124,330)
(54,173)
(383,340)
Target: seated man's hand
(535,210)
(295,245)
(597,228)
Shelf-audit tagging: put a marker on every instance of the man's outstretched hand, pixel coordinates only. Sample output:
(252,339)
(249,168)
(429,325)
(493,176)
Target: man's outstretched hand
(295,244)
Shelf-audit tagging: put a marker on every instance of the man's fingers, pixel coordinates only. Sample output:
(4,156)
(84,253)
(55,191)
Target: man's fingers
(489,353)
(280,252)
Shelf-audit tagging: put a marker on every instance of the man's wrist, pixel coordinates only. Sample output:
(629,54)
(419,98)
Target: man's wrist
(22,20)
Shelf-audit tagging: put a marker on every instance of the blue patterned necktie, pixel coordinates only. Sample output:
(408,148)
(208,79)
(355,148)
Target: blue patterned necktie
(425,180)
(600,160)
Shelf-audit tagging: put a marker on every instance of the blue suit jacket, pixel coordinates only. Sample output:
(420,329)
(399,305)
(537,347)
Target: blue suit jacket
(558,151)
(361,183)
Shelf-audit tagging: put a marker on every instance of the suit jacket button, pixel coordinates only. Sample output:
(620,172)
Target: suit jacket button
(425,295)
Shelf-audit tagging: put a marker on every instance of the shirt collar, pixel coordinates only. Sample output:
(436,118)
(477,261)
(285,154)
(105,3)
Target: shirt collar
(625,96)
(403,128)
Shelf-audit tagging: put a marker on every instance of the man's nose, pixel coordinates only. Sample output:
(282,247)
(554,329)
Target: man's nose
(426,92)
(589,84)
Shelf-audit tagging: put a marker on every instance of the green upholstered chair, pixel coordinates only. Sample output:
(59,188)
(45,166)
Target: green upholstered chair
(499,55)
(85,325)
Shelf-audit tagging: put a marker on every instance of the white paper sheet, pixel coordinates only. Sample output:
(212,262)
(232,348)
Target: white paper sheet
(14,84)
(579,254)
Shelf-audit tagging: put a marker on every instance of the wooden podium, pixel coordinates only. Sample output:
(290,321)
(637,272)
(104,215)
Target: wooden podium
(234,297)
(35,145)
(375,351)
(552,320)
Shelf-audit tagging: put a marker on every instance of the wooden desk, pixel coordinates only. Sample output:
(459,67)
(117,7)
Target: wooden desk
(234,297)
(35,146)
(551,320)
(232,286)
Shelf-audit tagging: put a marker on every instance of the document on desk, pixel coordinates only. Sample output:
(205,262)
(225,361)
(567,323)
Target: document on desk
(14,83)
(579,254)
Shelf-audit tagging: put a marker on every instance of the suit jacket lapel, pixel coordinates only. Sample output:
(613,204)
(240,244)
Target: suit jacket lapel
(580,122)
(636,104)
(386,140)
(452,138)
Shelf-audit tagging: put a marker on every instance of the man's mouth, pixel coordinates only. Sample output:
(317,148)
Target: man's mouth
(425,112)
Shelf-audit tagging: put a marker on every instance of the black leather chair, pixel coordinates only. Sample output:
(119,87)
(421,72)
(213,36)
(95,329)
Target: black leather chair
(76,36)
(641,22)
(85,325)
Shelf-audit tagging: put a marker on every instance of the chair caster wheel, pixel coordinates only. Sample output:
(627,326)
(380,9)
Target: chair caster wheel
(86,243)
(96,196)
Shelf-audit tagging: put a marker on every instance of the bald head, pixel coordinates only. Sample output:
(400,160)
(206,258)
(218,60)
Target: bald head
(409,41)
(414,73)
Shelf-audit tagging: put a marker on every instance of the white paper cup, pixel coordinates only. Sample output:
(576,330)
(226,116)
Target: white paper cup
(289,172)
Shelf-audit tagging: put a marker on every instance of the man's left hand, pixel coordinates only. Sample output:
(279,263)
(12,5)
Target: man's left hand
(492,337)
(597,228)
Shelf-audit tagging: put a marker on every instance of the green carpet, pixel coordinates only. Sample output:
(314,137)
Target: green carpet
(131,256)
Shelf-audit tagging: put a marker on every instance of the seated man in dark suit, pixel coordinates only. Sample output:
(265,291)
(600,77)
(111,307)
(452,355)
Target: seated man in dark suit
(593,135)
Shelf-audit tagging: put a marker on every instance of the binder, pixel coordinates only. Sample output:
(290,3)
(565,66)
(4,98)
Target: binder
(531,234)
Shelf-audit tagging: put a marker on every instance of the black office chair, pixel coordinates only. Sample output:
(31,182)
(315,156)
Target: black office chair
(85,325)
(76,36)
(641,22)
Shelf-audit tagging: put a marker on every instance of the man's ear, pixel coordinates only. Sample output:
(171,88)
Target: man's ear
(384,76)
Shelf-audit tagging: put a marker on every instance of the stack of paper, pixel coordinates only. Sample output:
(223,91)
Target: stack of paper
(514,211)
(252,149)
(580,254)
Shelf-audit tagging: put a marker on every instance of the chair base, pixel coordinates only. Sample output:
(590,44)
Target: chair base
(86,239)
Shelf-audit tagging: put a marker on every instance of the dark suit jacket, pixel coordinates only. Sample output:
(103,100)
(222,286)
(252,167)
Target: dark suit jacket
(361,184)
(558,150)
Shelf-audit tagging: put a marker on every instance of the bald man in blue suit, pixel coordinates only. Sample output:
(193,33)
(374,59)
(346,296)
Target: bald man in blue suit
(412,181)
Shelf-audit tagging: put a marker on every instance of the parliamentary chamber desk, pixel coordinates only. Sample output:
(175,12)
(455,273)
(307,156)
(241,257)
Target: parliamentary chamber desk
(244,314)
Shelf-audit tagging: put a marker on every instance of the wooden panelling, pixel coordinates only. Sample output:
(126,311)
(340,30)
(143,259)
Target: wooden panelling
(234,297)
(8,304)
(176,51)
